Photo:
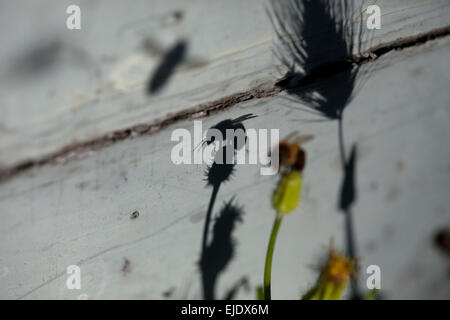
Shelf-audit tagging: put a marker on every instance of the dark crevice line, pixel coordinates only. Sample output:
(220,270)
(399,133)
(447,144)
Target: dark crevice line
(322,72)
(404,43)
(80,150)
(329,69)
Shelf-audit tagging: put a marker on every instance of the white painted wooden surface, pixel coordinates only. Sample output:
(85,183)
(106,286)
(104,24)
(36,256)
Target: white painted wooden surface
(95,78)
(78,212)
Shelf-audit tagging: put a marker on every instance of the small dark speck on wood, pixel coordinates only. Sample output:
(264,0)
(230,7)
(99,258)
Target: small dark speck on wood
(126,266)
(134,215)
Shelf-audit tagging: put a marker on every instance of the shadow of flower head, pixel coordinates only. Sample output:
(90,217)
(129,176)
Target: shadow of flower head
(219,252)
(317,41)
(220,171)
(222,168)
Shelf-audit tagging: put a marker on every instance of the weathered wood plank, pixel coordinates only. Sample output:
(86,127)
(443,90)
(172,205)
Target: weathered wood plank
(78,213)
(60,87)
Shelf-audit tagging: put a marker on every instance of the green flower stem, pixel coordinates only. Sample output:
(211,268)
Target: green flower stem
(269,255)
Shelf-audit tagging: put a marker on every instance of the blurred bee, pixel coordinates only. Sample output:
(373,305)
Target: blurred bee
(292,161)
(291,154)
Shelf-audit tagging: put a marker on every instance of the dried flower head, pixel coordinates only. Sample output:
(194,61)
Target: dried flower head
(334,277)
(338,268)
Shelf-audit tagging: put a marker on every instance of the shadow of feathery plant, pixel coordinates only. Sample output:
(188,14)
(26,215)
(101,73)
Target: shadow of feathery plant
(319,42)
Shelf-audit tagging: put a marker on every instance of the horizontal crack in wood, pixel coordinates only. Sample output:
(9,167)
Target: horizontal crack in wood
(328,69)
(83,149)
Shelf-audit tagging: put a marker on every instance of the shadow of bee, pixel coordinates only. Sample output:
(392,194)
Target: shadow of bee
(229,124)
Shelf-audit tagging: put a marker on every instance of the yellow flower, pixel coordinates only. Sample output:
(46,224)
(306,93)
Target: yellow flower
(287,194)
(333,278)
